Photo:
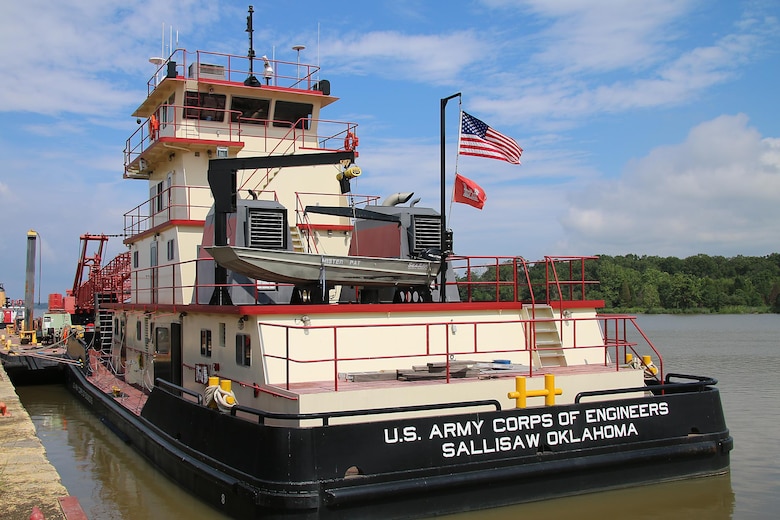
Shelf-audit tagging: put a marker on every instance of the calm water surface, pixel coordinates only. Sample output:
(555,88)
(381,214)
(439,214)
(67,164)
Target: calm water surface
(742,352)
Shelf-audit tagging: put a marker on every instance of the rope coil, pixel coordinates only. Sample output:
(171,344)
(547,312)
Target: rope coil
(217,397)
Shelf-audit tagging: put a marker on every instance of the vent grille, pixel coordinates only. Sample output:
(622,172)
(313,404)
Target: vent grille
(266,229)
(427,233)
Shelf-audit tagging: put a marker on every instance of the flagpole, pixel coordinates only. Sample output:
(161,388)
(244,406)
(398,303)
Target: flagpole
(442,241)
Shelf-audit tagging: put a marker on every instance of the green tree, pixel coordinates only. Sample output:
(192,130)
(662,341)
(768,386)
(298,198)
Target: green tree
(680,291)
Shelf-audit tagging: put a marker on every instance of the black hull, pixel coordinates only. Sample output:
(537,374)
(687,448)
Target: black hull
(412,468)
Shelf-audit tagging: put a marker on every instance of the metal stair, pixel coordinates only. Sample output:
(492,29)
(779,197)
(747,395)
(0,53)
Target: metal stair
(297,239)
(547,350)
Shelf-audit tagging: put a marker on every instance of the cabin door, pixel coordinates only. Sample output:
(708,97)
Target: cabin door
(176,376)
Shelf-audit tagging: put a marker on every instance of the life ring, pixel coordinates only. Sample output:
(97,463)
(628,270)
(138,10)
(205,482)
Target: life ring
(351,141)
(154,126)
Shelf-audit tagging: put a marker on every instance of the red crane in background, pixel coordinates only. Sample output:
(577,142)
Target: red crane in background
(109,283)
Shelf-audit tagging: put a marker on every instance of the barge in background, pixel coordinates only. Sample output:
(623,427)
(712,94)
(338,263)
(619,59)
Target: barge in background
(271,398)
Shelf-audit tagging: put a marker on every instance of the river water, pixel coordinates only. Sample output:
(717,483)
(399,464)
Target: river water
(742,351)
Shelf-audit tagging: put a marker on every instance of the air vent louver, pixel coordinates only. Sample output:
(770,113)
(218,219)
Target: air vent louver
(427,233)
(266,229)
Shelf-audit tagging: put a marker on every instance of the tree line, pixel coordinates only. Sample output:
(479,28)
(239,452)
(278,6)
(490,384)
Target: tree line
(633,283)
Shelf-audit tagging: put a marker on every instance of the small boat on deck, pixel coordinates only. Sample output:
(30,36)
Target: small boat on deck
(295,267)
(270,382)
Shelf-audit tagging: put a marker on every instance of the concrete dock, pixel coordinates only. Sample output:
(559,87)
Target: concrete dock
(27,478)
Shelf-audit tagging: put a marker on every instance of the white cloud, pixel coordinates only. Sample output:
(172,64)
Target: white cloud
(605,35)
(611,57)
(432,58)
(718,192)
(77,55)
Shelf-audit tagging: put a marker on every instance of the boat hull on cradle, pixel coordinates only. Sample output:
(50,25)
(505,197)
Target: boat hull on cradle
(423,466)
(307,268)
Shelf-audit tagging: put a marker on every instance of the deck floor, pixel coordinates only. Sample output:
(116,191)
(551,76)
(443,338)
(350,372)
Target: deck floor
(314,387)
(129,396)
(134,398)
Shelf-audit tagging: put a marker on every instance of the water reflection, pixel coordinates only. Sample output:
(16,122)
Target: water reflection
(706,498)
(111,480)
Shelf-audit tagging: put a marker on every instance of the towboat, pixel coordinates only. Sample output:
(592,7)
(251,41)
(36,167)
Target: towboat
(279,361)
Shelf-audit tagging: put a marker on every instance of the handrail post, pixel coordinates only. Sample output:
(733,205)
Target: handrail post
(336,359)
(287,357)
(447,350)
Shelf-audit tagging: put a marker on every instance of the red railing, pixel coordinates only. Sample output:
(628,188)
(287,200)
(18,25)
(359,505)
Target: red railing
(526,283)
(173,203)
(305,134)
(230,68)
(186,124)
(574,281)
(619,334)
(617,346)
(616,332)
(512,278)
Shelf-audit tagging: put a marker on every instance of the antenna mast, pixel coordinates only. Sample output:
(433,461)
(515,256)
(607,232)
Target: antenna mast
(251,81)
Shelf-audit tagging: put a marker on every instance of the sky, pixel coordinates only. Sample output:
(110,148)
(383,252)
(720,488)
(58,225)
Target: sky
(648,128)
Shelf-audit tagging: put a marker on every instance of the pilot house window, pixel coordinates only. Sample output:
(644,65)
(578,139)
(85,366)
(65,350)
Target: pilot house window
(252,111)
(287,114)
(204,106)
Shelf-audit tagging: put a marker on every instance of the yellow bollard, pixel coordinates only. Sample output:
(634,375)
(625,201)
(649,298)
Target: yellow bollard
(226,385)
(650,368)
(520,394)
(551,391)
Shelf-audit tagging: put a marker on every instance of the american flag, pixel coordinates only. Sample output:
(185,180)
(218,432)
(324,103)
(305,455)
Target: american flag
(477,138)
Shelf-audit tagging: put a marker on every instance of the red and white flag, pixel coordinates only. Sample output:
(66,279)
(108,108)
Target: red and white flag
(468,192)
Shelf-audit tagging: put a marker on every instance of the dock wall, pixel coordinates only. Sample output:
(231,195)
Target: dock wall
(27,478)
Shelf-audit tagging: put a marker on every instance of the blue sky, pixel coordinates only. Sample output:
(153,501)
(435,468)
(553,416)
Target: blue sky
(647,127)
